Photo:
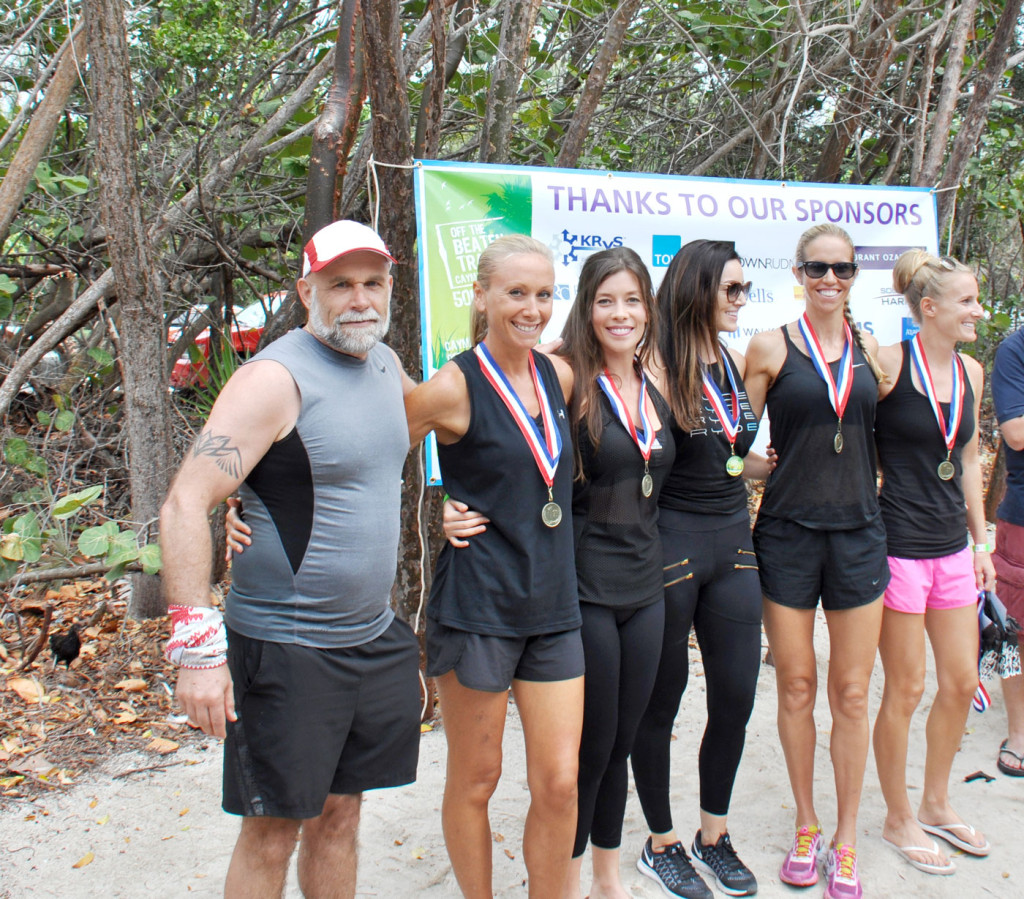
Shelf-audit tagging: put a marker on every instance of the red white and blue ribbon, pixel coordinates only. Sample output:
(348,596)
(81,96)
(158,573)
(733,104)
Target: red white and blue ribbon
(644,439)
(546,448)
(981,699)
(838,392)
(956,403)
(728,417)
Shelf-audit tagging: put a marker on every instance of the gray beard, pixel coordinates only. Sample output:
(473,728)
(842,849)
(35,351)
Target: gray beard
(352,342)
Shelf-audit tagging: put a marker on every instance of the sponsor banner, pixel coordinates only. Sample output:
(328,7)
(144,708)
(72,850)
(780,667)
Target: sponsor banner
(462,207)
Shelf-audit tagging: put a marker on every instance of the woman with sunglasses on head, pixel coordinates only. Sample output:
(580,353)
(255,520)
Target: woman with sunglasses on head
(819,534)
(710,578)
(623,452)
(926,430)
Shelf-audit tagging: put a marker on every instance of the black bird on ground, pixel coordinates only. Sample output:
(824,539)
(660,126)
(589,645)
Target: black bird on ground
(65,647)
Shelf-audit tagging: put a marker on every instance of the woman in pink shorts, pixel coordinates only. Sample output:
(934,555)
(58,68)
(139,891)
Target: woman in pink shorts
(927,437)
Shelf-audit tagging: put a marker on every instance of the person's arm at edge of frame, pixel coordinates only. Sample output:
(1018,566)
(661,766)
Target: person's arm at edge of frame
(1006,374)
(984,570)
(258,405)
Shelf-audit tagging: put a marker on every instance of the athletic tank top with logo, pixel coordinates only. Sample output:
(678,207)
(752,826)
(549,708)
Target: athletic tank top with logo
(518,578)
(813,485)
(924,515)
(698,481)
(618,550)
(324,503)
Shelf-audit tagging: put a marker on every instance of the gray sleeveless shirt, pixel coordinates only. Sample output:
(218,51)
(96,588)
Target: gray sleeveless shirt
(323,504)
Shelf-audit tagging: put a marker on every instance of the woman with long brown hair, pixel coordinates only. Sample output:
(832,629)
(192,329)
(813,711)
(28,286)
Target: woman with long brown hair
(710,573)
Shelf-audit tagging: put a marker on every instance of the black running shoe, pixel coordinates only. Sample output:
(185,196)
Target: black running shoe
(721,862)
(672,871)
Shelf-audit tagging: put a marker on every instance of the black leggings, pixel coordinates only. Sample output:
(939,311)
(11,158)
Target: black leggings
(621,648)
(711,582)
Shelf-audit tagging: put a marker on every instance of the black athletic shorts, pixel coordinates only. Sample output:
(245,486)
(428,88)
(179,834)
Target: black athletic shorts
(797,564)
(489,663)
(312,722)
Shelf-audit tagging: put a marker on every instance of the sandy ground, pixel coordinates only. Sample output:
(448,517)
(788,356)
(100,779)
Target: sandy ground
(162,833)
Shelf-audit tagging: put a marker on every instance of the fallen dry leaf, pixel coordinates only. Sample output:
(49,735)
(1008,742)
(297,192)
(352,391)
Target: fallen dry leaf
(159,744)
(33,764)
(28,688)
(125,717)
(84,860)
(131,685)
(183,812)
(509,854)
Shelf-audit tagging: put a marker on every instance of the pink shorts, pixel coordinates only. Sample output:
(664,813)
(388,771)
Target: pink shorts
(920,584)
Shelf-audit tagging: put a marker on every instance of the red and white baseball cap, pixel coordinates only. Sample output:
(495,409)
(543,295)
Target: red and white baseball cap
(337,239)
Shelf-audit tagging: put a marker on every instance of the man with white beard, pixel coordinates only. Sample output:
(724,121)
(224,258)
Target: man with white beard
(308,673)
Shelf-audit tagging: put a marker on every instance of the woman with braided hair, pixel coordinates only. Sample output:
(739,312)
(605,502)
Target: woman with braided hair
(819,533)
(927,436)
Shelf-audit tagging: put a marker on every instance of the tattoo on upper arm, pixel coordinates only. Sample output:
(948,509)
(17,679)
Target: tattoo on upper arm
(225,455)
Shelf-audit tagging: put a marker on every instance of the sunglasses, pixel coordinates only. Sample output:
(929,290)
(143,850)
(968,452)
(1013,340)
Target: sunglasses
(842,270)
(734,289)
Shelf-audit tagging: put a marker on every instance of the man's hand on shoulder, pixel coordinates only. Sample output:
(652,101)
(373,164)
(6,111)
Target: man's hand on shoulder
(207,697)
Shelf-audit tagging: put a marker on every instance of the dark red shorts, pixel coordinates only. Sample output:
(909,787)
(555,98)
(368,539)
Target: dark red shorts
(1009,562)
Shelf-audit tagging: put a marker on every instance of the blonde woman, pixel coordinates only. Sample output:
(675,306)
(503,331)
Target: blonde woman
(926,430)
(819,534)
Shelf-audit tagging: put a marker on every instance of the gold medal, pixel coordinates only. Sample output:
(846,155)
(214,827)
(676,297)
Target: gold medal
(647,485)
(946,470)
(734,466)
(551,514)
(837,442)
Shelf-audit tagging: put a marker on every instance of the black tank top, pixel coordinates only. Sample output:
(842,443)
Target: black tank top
(618,551)
(698,481)
(518,578)
(813,485)
(924,515)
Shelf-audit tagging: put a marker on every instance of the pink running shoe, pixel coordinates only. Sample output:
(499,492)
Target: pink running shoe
(841,872)
(800,869)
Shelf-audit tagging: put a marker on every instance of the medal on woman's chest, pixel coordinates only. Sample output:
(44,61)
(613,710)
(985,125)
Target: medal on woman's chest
(948,426)
(729,413)
(547,448)
(838,391)
(643,438)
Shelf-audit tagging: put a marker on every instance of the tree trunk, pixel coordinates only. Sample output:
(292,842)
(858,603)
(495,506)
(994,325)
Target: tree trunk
(934,134)
(336,126)
(39,132)
(985,87)
(579,127)
(392,146)
(135,280)
(873,59)
(443,65)
(513,46)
